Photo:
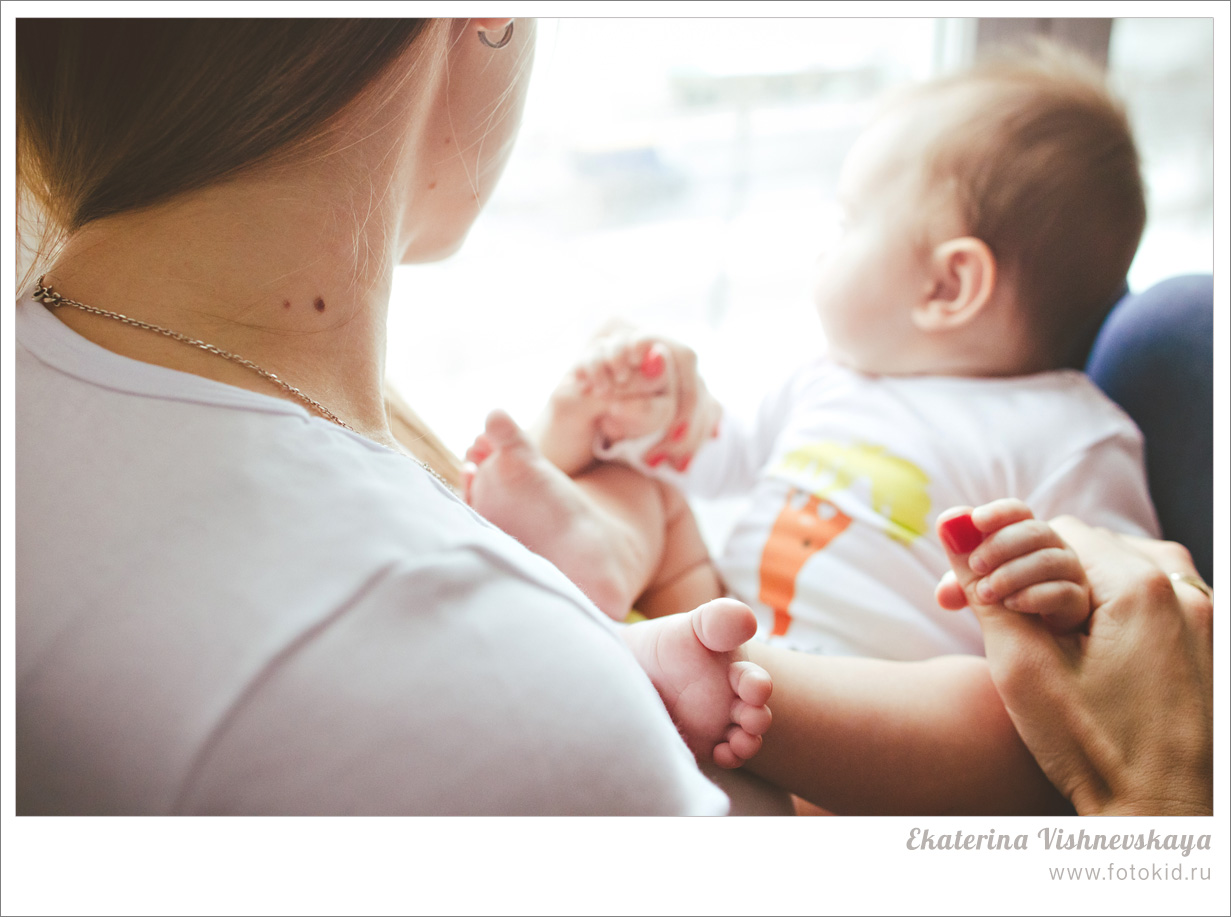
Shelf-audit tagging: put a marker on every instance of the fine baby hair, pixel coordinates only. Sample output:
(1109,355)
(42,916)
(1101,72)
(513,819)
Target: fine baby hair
(1038,158)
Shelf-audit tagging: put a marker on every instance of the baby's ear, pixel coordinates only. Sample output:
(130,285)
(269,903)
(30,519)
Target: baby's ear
(962,279)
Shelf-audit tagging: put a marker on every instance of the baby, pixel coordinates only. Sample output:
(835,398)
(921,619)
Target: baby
(990,219)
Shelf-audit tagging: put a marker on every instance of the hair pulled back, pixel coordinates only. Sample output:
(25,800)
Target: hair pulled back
(115,115)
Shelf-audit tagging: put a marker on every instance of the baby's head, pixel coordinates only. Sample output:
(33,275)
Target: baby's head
(990,220)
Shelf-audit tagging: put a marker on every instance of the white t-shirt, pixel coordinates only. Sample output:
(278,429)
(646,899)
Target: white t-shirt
(848,472)
(228,605)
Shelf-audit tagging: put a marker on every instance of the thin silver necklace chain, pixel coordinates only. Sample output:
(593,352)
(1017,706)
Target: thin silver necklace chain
(50,297)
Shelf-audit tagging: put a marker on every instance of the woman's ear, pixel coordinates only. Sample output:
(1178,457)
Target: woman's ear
(961,282)
(495,26)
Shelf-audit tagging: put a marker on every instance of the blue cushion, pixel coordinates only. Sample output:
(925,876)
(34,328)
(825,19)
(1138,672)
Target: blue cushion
(1154,356)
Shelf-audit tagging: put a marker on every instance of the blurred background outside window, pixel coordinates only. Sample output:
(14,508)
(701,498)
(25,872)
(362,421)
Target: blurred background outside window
(680,174)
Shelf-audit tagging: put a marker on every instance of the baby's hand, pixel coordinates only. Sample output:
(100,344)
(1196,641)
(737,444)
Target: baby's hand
(652,395)
(1001,555)
(633,376)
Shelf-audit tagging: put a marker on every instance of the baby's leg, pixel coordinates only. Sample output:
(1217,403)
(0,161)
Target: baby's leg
(615,533)
(609,532)
(686,577)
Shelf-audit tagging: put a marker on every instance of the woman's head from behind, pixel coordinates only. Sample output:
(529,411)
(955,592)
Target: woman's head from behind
(116,116)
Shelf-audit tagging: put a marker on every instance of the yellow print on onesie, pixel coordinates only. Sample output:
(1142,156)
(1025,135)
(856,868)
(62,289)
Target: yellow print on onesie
(809,520)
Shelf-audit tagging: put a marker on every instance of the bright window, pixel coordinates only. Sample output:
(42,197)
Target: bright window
(1164,68)
(680,172)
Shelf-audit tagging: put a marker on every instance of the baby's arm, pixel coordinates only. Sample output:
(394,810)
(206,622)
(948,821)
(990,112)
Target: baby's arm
(875,737)
(866,736)
(632,389)
(1003,556)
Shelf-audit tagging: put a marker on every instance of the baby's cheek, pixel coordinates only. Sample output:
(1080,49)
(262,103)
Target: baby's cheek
(839,323)
(825,296)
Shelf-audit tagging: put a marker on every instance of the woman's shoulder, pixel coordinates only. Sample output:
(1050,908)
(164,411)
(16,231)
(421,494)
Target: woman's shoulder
(287,618)
(440,695)
(343,672)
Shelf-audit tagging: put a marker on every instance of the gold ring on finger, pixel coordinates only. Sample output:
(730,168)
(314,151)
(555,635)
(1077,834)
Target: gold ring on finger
(1195,581)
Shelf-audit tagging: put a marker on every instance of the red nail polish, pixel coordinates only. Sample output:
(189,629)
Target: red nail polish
(960,535)
(652,364)
(682,464)
(656,459)
(679,431)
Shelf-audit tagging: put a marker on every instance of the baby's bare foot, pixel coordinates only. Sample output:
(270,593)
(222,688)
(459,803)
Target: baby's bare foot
(716,697)
(509,482)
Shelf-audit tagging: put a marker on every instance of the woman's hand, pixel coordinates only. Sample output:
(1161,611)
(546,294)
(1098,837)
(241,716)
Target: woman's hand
(630,388)
(1119,716)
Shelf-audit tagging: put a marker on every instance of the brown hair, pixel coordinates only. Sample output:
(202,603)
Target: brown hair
(114,115)
(1041,160)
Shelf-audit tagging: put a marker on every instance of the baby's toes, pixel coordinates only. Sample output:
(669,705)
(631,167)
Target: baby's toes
(468,473)
(751,683)
(754,720)
(725,757)
(480,449)
(743,744)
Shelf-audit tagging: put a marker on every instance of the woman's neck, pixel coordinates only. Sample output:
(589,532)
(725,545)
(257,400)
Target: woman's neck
(291,272)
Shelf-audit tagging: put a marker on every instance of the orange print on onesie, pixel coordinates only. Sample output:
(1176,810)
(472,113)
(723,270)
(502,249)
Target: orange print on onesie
(805,526)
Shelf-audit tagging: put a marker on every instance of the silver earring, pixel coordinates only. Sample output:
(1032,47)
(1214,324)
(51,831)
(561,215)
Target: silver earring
(504,39)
